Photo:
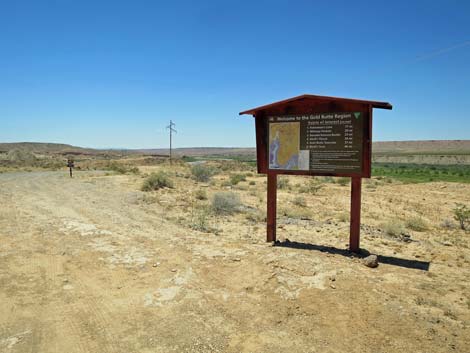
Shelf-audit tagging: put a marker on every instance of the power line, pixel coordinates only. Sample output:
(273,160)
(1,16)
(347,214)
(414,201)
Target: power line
(172,130)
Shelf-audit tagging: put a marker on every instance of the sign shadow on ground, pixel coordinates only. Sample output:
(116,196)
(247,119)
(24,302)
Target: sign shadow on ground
(389,260)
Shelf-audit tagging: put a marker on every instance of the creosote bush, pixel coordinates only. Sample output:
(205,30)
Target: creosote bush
(202,173)
(462,215)
(225,203)
(157,181)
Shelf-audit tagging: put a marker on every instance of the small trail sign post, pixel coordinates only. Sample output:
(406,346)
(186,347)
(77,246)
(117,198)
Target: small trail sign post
(317,136)
(70,165)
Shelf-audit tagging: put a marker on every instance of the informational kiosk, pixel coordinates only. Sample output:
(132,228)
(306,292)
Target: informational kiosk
(315,135)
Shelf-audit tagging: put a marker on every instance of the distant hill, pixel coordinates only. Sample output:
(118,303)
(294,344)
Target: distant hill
(203,151)
(55,148)
(422,147)
(432,151)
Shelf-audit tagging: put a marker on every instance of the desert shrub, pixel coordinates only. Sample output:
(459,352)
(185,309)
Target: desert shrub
(201,194)
(447,224)
(249,174)
(122,168)
(225,203)
(157,181)
(236,178)
(299,201)
(257,216)
(343,181)
(252,182)
(417,223)
(202,173)
(282,183)
(295,213)
(225,183)
(462,215)
(343,217)
(200,220)
(312,187)
(393,228)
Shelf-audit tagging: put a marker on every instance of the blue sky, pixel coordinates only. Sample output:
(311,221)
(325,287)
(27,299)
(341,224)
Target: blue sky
(112,73)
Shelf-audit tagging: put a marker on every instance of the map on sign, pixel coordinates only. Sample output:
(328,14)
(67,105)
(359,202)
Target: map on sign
(284,143)
(323,142)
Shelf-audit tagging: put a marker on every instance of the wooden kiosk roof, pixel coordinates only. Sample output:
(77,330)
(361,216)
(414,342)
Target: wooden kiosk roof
(312,98)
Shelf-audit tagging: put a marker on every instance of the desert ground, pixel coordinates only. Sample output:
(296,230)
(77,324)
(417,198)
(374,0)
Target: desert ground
(94,264)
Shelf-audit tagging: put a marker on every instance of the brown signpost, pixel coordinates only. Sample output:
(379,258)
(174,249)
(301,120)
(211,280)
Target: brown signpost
(70,165)
(315,135)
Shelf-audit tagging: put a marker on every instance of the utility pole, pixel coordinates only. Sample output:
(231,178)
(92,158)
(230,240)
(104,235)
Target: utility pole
(170,127)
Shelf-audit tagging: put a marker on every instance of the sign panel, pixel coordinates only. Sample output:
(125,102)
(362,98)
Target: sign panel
(321,142)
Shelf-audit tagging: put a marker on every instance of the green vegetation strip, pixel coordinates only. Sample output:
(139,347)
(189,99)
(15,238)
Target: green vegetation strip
(422,173)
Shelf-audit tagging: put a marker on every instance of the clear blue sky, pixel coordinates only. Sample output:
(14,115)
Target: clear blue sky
(112,73)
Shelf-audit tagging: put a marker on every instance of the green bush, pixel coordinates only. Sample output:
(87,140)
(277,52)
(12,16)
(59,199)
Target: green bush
(236,178)
(202,173)
(157,181)
(462,215)
(417,224)
(225,203)
(252,182)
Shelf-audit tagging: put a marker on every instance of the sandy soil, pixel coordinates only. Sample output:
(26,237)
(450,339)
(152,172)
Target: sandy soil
(92,264)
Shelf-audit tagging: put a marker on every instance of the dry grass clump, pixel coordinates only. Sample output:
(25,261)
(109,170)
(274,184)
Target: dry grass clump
(201,194)
(393,228)
(200,219)
(120,168)
(312,187)
(225,203)
(343,181)
(417,224)
(300,201)
(157,181)
(283,183)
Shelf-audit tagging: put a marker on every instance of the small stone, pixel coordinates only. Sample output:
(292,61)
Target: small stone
(155,265)
(65,280)
(173,270)
(236,259)
(371,261)
(332,286)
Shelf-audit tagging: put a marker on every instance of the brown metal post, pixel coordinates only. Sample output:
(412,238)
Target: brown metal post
(70,171)
(271,207)
(355,221)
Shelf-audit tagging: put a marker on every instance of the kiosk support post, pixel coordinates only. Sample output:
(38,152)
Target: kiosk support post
(271,207)
(355,221)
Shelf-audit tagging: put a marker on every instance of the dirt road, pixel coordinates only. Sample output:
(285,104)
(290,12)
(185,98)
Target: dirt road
(86,265)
